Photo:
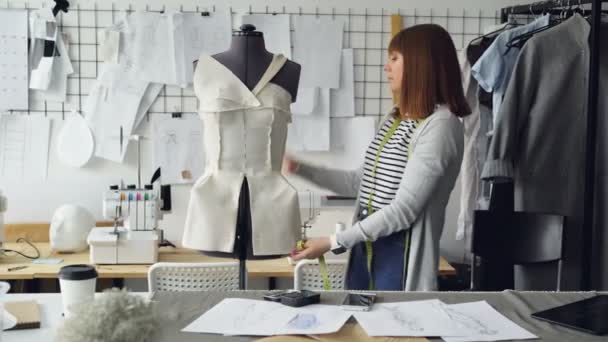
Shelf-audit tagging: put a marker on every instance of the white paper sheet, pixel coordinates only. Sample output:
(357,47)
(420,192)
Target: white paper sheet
(13,59)
(41,76)
(178,149)
(306,101)
(414,319)
(200,34)
(317,47)
(111,108)
(42,24)
(311,132)
(350,138)
(161,48)
(235,316)
(484,323)
(61,69)
(109,45)
(150,95)
(276,30)
(343,99)
(75,143)
(148,49)
(24,147)
(43,27)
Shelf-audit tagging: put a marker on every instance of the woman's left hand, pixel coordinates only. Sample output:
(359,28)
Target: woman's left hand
(313,249)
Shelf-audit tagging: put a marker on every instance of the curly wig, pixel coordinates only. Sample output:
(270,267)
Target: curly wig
(115,316)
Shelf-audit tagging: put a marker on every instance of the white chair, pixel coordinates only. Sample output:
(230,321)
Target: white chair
(176,277)
(307,275)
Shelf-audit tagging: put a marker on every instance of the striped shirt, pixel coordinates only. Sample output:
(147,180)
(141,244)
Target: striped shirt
(391,164)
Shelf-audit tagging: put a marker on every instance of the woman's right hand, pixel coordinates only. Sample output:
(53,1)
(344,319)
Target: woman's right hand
(290,165)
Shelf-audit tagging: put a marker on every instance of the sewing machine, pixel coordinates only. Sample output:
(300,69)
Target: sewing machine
(134,238)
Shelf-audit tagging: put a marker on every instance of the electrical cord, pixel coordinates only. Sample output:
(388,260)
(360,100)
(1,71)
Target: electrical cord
(4,250)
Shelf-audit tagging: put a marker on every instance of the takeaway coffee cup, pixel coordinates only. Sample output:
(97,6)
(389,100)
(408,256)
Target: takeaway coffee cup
(77,283)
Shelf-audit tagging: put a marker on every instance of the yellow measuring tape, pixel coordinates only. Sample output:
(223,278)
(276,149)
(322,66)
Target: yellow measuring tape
(322,266)
(370,208)
(368,244)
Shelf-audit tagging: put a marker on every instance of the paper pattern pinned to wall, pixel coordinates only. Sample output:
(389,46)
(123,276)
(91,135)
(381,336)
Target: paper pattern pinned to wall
(311,132)
(343,98)
(178,149)
(350,138)
(317,47)
(306,101)
(24,147)
(13,59)
(111,108)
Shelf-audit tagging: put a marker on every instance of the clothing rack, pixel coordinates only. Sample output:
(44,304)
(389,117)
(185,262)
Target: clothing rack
(589,232)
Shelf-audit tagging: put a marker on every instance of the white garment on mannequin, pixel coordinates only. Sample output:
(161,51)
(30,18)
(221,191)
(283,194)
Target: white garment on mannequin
(245,134)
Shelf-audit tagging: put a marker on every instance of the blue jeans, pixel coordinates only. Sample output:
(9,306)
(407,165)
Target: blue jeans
(387,264)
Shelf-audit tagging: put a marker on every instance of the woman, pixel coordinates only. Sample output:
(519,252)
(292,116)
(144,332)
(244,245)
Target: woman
(409,171)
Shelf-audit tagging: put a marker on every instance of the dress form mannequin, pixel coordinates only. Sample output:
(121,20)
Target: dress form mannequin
(248,60)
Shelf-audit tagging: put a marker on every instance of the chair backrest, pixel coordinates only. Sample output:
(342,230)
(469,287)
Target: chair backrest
(517,237)
(176,277)
(307,275)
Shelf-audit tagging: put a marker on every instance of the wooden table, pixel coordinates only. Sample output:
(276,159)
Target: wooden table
(272,268)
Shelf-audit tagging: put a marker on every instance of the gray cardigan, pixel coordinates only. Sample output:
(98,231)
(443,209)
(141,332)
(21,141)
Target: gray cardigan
(435,156)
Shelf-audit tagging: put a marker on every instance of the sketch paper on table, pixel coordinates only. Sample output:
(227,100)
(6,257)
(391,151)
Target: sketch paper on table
(196,34)
(311,132)
(24,147)
(276,30)
(414,319)
(350,138)
(60,70)
(13,59)
(306,101)
(111,108)
(319,57)
(178,149)
(343,99)
(484,323)
(315,319)
(235,316)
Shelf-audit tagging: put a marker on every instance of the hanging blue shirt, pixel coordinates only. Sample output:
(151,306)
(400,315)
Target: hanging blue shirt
(493,69)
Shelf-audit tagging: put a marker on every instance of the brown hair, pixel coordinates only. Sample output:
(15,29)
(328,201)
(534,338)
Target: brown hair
(431,73)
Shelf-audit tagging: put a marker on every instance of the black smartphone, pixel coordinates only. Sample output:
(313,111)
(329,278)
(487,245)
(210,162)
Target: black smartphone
(274,296)
(359,301)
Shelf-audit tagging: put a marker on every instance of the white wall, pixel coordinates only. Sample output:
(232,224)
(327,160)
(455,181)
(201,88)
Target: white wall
(35,201)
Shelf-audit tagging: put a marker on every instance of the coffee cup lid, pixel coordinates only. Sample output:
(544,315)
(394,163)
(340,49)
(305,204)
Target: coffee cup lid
(77,272)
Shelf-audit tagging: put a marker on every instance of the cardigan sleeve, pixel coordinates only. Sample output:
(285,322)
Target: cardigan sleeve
(438,147)
(343,182)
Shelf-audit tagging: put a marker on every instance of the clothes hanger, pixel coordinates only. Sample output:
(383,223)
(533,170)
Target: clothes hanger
(508,25)
(520,40)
